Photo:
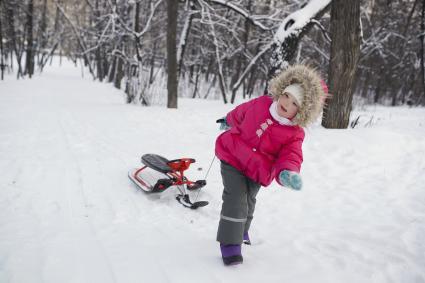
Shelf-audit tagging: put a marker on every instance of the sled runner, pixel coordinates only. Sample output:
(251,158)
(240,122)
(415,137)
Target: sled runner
(159,173)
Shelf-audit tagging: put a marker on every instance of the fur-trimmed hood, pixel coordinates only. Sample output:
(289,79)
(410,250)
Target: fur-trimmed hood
(314,91)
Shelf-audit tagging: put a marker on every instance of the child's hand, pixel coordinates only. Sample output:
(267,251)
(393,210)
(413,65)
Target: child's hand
(223,124)
(291,179)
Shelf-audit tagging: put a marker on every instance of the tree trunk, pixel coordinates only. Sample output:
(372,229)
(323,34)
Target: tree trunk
(42,37)
(365,89)
(112,69)
(11,34)
(137,29)
(421,55)
(98,51)
(152,62)
(29,62)
(56,27)
(99,65)
(378,90)
(222,84)
(195,91)
(394,97)
(119,73)
(2,65)
(209,68)
(345,49)
(172,82)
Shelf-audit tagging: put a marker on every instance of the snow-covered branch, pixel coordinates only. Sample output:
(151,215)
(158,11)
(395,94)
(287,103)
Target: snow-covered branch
(184,34)
(294,23)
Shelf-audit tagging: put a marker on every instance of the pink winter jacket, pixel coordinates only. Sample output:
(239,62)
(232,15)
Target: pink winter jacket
(257,145)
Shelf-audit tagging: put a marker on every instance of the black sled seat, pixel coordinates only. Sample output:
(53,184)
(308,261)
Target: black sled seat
(156,162)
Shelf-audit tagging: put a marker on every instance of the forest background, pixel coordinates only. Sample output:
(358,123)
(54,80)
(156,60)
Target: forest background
(223,49)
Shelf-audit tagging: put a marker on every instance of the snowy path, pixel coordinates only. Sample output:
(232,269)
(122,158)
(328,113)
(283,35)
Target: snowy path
(69,213)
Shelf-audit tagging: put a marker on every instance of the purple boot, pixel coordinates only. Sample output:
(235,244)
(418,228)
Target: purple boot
(231,254)
(246,239)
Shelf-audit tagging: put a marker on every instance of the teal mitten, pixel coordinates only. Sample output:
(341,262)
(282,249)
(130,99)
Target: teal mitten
(223,124)
(291,179)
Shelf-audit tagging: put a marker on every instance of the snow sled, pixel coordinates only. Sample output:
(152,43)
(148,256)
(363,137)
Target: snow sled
(158,174)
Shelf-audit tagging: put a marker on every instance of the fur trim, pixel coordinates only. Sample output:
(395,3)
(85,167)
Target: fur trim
(314,94)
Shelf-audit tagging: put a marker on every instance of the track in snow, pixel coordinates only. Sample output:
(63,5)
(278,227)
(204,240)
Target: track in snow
(69,213)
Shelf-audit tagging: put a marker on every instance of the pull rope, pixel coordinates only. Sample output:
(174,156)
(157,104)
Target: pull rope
(206,175)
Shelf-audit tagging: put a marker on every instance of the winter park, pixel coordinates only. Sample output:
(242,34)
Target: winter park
(212,141)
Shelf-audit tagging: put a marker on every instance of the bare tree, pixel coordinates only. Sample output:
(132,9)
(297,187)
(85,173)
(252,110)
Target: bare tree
(421,54)
(286,38)
(29,58)
(2,64)
(172,83)
(345,47)
(14,36)
(226,48)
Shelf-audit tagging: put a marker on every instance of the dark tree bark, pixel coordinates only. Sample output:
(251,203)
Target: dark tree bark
(152,63)
(112,69)
(378,89)
(195,91)
(209,68)
(13,39)
(29,62)
(172,83)
(345,49)
(284,52)
(2,66)
(42,36)
(99,66)
(98,52)
(119,73)
(421,55)
(221,81)
(137,29)
(365,89)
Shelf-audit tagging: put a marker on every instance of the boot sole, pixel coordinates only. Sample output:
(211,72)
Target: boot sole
(233,260)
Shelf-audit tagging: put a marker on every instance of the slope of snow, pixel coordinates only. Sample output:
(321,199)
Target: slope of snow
(70,214)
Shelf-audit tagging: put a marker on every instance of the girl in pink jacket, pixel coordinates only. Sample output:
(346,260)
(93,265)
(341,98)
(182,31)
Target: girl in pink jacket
(262,142)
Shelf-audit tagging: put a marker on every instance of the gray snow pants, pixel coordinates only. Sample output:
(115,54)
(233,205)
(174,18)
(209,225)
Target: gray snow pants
(238,205)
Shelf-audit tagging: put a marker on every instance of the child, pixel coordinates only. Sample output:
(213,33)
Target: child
(263,142)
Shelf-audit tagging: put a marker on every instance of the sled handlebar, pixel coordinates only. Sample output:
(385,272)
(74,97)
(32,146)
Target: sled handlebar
(180,164)
(191,160)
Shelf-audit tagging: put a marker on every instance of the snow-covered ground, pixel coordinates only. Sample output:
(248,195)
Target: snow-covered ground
(68,212)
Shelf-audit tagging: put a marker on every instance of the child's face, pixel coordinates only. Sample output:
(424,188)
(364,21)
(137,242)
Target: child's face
(287,106)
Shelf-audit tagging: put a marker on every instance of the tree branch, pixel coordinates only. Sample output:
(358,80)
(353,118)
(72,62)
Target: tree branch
(253,19)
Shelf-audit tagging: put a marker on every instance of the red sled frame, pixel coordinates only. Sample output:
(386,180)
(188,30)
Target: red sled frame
(177,177)
(174,171)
